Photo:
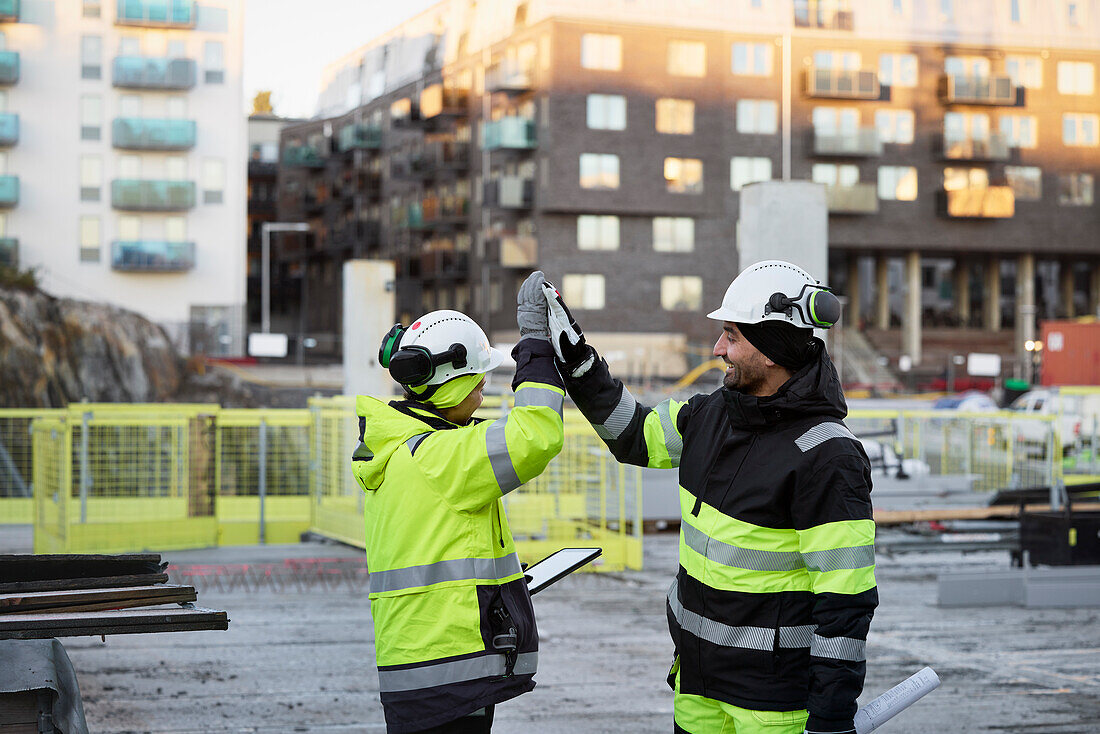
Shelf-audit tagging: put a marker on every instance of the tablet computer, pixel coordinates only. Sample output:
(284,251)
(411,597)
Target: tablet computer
(557,566)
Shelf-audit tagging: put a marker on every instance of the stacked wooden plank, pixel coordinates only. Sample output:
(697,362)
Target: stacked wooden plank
(74,595)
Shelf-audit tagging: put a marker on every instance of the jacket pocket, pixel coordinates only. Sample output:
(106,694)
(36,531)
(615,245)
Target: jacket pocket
(789,719)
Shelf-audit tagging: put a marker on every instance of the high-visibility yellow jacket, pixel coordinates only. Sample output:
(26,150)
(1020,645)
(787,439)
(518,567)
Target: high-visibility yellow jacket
(453,623)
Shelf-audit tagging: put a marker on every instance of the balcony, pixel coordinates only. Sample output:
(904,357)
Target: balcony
(863,142)
(137,133)
(843,84)
(359,136)
(979,202)
(157,13)
(9,129)
(444,211)
(510,192)
(509,133)
(444,264)
(518,251)
(152,256)
(9,11)
(860,198)
(9,191)
(510,77)
(438,102)
(810,14)
(990,90)
(140,195)
(992,148)
(9,252)
(302,156)
(9,67)
(449,155)
(152,72)
(357,233)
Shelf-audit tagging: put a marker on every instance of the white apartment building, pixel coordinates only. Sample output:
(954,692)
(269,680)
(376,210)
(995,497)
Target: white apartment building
(123,176)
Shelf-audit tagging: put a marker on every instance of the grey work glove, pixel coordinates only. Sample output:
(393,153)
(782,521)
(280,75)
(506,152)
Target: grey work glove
(575,357)
(531,308)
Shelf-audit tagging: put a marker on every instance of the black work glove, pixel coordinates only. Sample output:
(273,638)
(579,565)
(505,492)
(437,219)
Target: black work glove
(827,726)
(575,357)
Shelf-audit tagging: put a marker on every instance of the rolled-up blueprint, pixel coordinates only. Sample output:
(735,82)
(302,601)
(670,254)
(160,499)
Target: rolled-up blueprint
(896,700)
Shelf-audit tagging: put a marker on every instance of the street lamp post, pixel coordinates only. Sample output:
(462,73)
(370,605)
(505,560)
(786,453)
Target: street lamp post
(265,266)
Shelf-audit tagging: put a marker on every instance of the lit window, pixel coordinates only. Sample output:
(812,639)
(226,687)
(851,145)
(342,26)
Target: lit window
(91,177)
(752,59)
(583,291)
(684,175)
(965,126)
(897,70)
(967,66)
(1076,77)
(1020,131)
(836,120)
(894,126)
(214,58)
(213,181)
(675,116)
(897,183)
(687,58)
(961,179)
(839,60)
(89,239)
(175,229)
(606,112)
(91,116)
(681,293)
(1025,71)
(597,232)
(1075,189)
(1026,182)
(747,170)
(832,174)
(1080,129)
(599,171)
(673,234)
(602,52)
(91,57)
(757,116)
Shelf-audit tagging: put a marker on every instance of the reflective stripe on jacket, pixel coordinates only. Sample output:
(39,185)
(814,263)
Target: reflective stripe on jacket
(442,561)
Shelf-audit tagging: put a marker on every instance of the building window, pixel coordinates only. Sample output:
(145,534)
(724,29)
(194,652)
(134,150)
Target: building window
(968,66)
(836,120)
(673,234)
(897,70)
(214,62)
(175,168)
(1075,13)
(1025,71)
(606,112)
(213,181)
(965,126)
(602,52)
(583,291)
(833,174)
(1079,129)
(1026,182)
(898,7)
(599,171)
(681,293)
(897,183)
(91,8)
(1075,189)
(675,116)
(752,59)
(91,116)
(839,60)
(1076,77)
(89,239)
(757,116)
(961,179)
(129,166)
(176,107)
(175,229)
(947,10)
(894,126)
(91,57)
(129,105)
(597,232)
(91,177)
(687,58)
(1020,131)
(1015,12)
(746,170)
(684,175)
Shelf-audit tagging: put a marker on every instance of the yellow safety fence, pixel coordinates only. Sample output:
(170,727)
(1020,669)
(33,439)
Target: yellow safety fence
(16,464)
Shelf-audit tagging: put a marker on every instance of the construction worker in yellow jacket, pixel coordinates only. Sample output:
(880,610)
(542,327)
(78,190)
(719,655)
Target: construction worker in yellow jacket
(770,608)
(453,623)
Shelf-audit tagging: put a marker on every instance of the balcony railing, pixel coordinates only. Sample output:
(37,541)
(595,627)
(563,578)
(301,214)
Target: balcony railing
(9,191)
(151,195)
(510,192)
(138,133)
(157,13)
(447,154)
(359,136)
(860,198)
(9,252)
(992,148)
(980,202)
(992,90)
(9,129)
(152,72)
(9,67)
(518,251)
(843,84)
(444,210)
(302,156)
(152,256)
(9,11)
(862,142)
(509,133)
(510,77)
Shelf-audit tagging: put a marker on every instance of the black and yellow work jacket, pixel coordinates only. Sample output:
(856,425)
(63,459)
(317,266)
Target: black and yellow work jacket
(776,587)
(453,624)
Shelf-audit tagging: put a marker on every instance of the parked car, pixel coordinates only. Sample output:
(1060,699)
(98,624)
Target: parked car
(971,401)
(1074,414)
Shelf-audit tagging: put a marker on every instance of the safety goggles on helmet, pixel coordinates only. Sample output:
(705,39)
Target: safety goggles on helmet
(416,365)
(816,305)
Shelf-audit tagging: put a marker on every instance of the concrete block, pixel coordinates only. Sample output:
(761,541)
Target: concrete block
(369,312)
(784,220)
(991,589)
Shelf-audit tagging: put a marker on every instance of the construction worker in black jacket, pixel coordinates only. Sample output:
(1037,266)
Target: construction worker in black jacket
(770,608)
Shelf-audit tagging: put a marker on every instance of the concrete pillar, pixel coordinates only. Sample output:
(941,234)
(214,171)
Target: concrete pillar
(1094,290)
(910,317)
(368,314)
(962,290)
(855,308)
(882,293)
(991,319)
(1065,276)
(1025,309)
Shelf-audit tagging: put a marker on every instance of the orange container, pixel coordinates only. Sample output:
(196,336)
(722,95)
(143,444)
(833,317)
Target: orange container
(1071,353)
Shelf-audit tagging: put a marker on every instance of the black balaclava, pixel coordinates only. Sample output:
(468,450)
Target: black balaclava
(785,344)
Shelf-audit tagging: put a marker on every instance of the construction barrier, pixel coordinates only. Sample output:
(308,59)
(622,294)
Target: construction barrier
(1078,411)
(16,464)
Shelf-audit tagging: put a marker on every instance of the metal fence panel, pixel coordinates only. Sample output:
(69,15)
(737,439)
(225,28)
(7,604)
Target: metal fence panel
(16,463)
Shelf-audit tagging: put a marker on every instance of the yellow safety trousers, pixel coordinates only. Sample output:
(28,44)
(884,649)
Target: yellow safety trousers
(702,715)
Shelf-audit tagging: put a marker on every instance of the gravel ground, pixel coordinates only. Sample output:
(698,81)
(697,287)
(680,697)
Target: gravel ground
(297,661)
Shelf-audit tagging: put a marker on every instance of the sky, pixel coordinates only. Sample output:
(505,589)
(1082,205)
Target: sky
(287,43)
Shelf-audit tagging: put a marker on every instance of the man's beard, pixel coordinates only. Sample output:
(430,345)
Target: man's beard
(746,379)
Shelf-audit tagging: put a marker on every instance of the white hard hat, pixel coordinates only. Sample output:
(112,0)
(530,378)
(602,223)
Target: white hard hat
(438,347)
(774,290)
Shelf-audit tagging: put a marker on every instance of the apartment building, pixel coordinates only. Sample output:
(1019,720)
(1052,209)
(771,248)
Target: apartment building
(124,162)
(607,144)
